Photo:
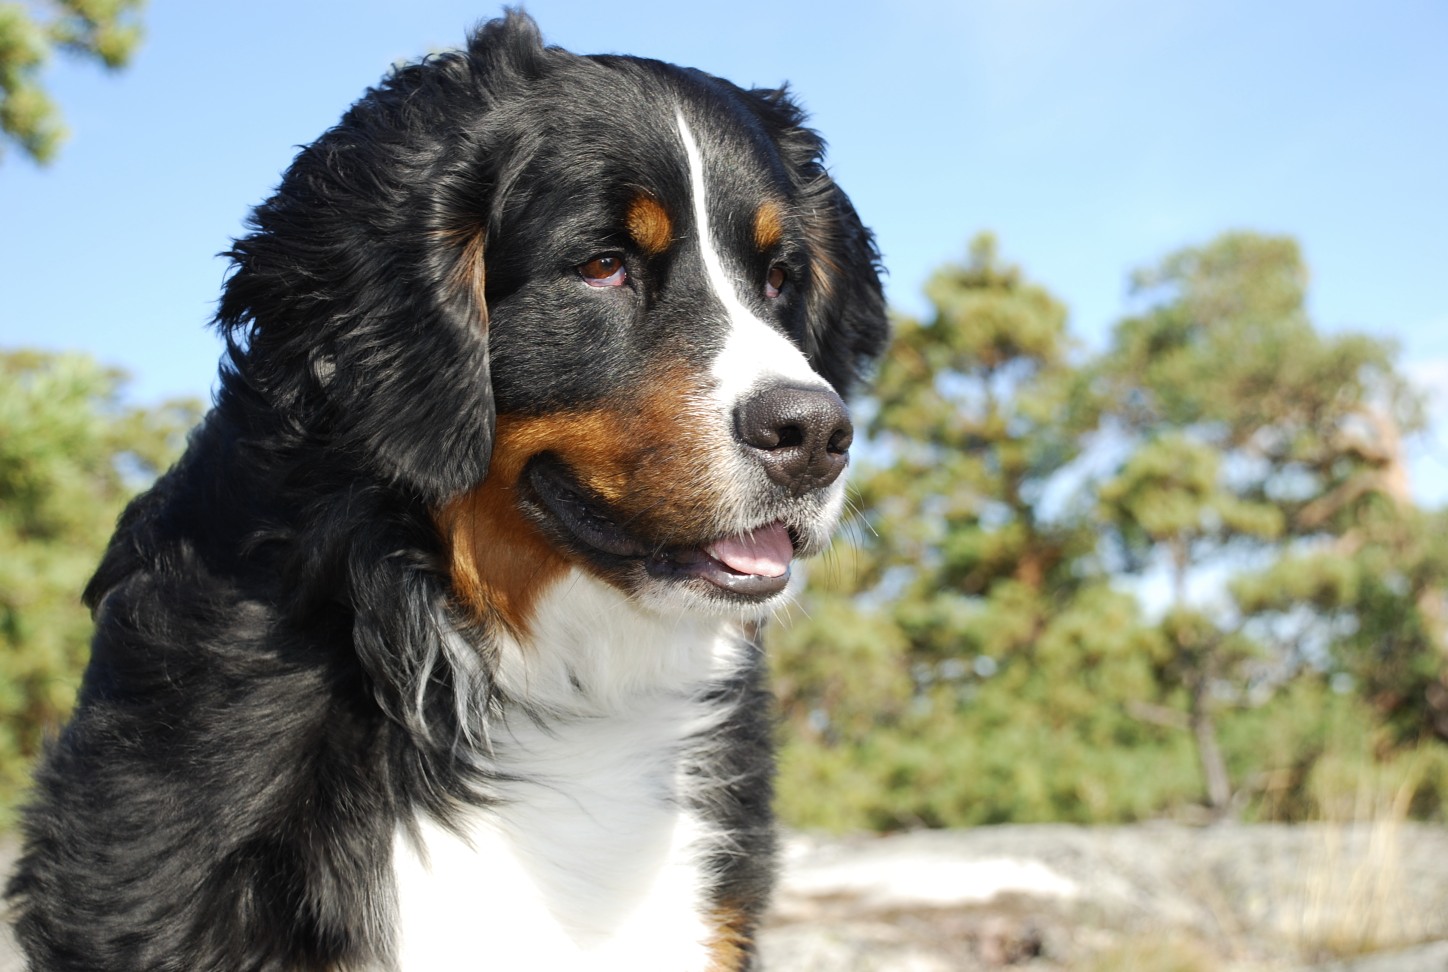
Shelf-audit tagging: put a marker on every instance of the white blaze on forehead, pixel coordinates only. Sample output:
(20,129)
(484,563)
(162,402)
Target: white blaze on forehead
(752,349)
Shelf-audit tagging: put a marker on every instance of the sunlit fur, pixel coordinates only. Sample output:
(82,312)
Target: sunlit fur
(414,660)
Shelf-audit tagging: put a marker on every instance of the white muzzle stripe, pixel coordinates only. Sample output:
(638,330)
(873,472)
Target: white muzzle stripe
(753,351)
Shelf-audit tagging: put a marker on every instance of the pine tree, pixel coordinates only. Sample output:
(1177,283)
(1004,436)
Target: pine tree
(71,454)
(987,663)
(1249,437)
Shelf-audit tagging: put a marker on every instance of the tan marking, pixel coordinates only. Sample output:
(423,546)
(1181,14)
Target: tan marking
(768,225)
(649,225)
(647,456)
(471,273)
(824,268)
(499,562)
(729,945)
(467,276)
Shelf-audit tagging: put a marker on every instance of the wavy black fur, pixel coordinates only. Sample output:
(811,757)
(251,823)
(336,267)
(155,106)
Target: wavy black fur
(271,691)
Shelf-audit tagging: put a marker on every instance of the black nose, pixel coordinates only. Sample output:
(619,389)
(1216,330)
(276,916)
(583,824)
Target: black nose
(802,435)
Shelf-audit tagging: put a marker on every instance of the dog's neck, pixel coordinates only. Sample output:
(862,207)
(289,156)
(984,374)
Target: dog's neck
(590,652)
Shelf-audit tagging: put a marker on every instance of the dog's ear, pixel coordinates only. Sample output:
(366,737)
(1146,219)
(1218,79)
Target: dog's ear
(356,306)
(847,328)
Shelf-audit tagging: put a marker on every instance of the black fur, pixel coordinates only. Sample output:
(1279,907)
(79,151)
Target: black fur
(249,734)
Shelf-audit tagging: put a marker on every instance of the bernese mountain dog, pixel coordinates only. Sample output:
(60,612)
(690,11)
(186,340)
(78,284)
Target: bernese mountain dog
(436,649)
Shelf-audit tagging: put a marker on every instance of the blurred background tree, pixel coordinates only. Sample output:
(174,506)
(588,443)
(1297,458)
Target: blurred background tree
(1183,573)
(70,456)
(1011,656)
(1251,437)
(107,31)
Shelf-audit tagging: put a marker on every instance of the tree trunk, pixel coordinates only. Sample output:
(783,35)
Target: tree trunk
(1199,715)
(1214,767)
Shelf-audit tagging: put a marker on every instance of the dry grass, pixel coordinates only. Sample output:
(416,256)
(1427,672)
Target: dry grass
(1156,954)
(1353,897)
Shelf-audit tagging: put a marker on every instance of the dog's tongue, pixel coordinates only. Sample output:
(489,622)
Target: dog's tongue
(765,552)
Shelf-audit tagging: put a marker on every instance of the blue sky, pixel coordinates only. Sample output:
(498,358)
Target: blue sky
(1092,137)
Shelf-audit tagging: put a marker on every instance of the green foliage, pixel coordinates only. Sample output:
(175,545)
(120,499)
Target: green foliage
(1315,752)
(70,456)
(1043,737)
(1373,606)
(971,657)
(994,665)
(1171,491)
(104,30)
(1227,357)
(1249,434)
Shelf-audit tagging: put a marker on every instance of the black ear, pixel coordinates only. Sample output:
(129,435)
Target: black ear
(847,324)
(355,309)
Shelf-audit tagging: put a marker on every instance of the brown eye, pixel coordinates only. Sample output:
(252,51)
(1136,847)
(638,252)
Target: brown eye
(774,281)
(604,271)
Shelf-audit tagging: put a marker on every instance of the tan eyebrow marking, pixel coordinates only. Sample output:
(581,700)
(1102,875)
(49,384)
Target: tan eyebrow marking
(649,224)
(768,225)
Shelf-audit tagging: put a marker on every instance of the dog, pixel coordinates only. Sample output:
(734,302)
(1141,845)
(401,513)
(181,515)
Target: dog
(436,649)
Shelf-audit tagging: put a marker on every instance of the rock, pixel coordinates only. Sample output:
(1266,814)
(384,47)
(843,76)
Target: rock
(1154,896)
(1424,958)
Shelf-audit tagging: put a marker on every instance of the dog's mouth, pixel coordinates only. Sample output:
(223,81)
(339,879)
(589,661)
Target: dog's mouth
(750,565)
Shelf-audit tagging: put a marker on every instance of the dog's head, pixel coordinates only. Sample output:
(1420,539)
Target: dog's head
(597,312)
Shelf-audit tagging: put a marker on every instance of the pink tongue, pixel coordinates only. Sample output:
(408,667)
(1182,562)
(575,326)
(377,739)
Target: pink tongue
(766,552)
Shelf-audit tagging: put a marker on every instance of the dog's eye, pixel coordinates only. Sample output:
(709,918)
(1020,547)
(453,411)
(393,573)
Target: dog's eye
(774,281)
(604,271)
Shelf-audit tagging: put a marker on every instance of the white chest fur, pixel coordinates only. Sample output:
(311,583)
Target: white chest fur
(588,857)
